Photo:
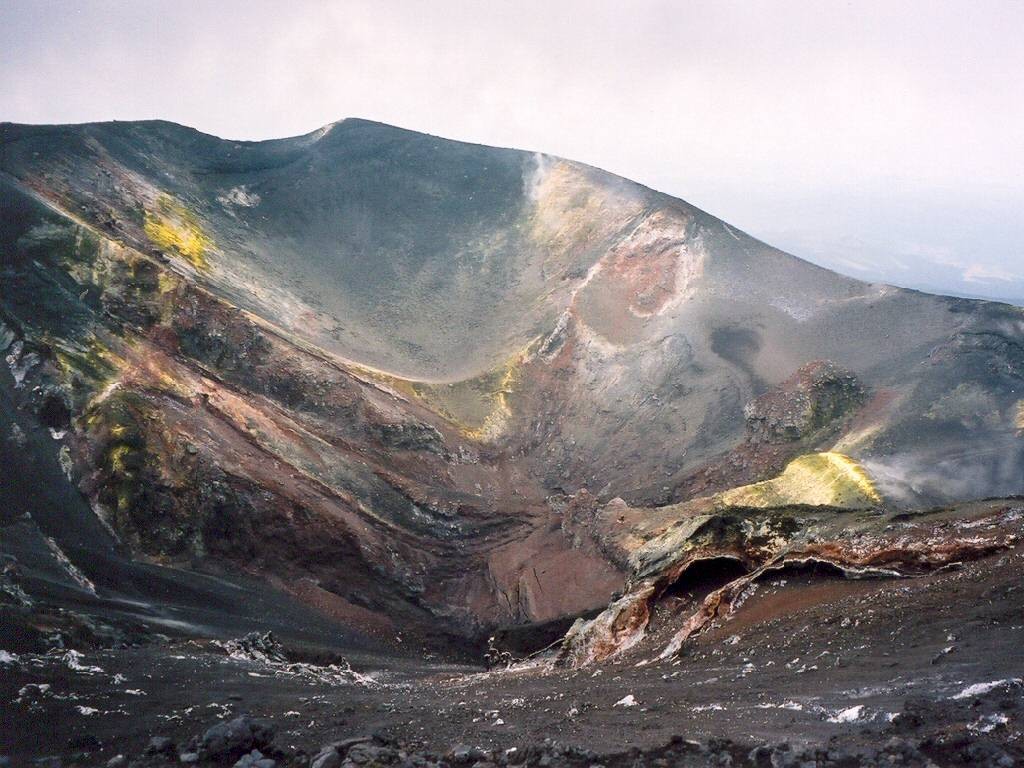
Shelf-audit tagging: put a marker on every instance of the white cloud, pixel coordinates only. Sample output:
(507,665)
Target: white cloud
(882,120)
(984,273)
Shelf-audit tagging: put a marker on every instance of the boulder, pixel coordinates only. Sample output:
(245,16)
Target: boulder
(160,745)
(328,757)
(234,738)
(255,759)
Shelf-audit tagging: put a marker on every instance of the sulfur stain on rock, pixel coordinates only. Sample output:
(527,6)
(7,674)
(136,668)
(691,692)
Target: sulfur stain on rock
(171,226)
(480,407)
(817,479)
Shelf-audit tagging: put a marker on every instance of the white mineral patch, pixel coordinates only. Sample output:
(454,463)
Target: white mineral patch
(989,723)
(847,715)
(73,659)
(979,689)
(708,708)
(239,196)
(70,568)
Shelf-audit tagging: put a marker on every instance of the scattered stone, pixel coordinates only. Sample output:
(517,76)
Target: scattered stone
(160,745)
(255,759)
(463,755)
(234,738)
(18,436)
(255,646)
(328,757)
(87,742)
(344,746)
(816,395)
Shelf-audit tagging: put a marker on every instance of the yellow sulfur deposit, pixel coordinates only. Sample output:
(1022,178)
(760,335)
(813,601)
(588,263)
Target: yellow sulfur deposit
(818,479)
(173,227)
(494,425)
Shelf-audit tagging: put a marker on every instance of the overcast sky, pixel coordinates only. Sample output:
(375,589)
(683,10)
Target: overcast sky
(883,139)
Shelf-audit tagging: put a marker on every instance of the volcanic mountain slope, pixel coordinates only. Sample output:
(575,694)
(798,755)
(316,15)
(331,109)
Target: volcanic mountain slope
(422,385)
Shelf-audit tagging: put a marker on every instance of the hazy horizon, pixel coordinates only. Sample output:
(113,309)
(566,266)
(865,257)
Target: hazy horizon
(881,140)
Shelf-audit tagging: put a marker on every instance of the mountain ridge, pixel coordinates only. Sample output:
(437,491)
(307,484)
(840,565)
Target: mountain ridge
(354,121)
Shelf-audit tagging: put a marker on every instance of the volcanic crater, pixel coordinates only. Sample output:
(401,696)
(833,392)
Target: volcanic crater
(497,446)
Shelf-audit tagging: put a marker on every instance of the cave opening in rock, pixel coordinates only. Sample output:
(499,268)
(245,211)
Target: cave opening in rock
(54,412)
(519,641)
(700,579)
(805,572)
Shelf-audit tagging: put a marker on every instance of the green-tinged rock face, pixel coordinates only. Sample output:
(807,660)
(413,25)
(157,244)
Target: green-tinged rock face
(132,474)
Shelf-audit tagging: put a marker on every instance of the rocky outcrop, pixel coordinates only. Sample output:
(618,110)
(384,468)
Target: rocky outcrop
(813,399)
(759,542)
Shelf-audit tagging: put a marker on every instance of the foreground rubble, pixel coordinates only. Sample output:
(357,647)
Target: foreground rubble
(848,671)
(923,734)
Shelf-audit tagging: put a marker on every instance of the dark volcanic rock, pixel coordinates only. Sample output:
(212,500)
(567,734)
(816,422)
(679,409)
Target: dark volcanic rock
(328,757)
(231,739)
(255,759)
(816,395)
(258,646)
(161,745)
